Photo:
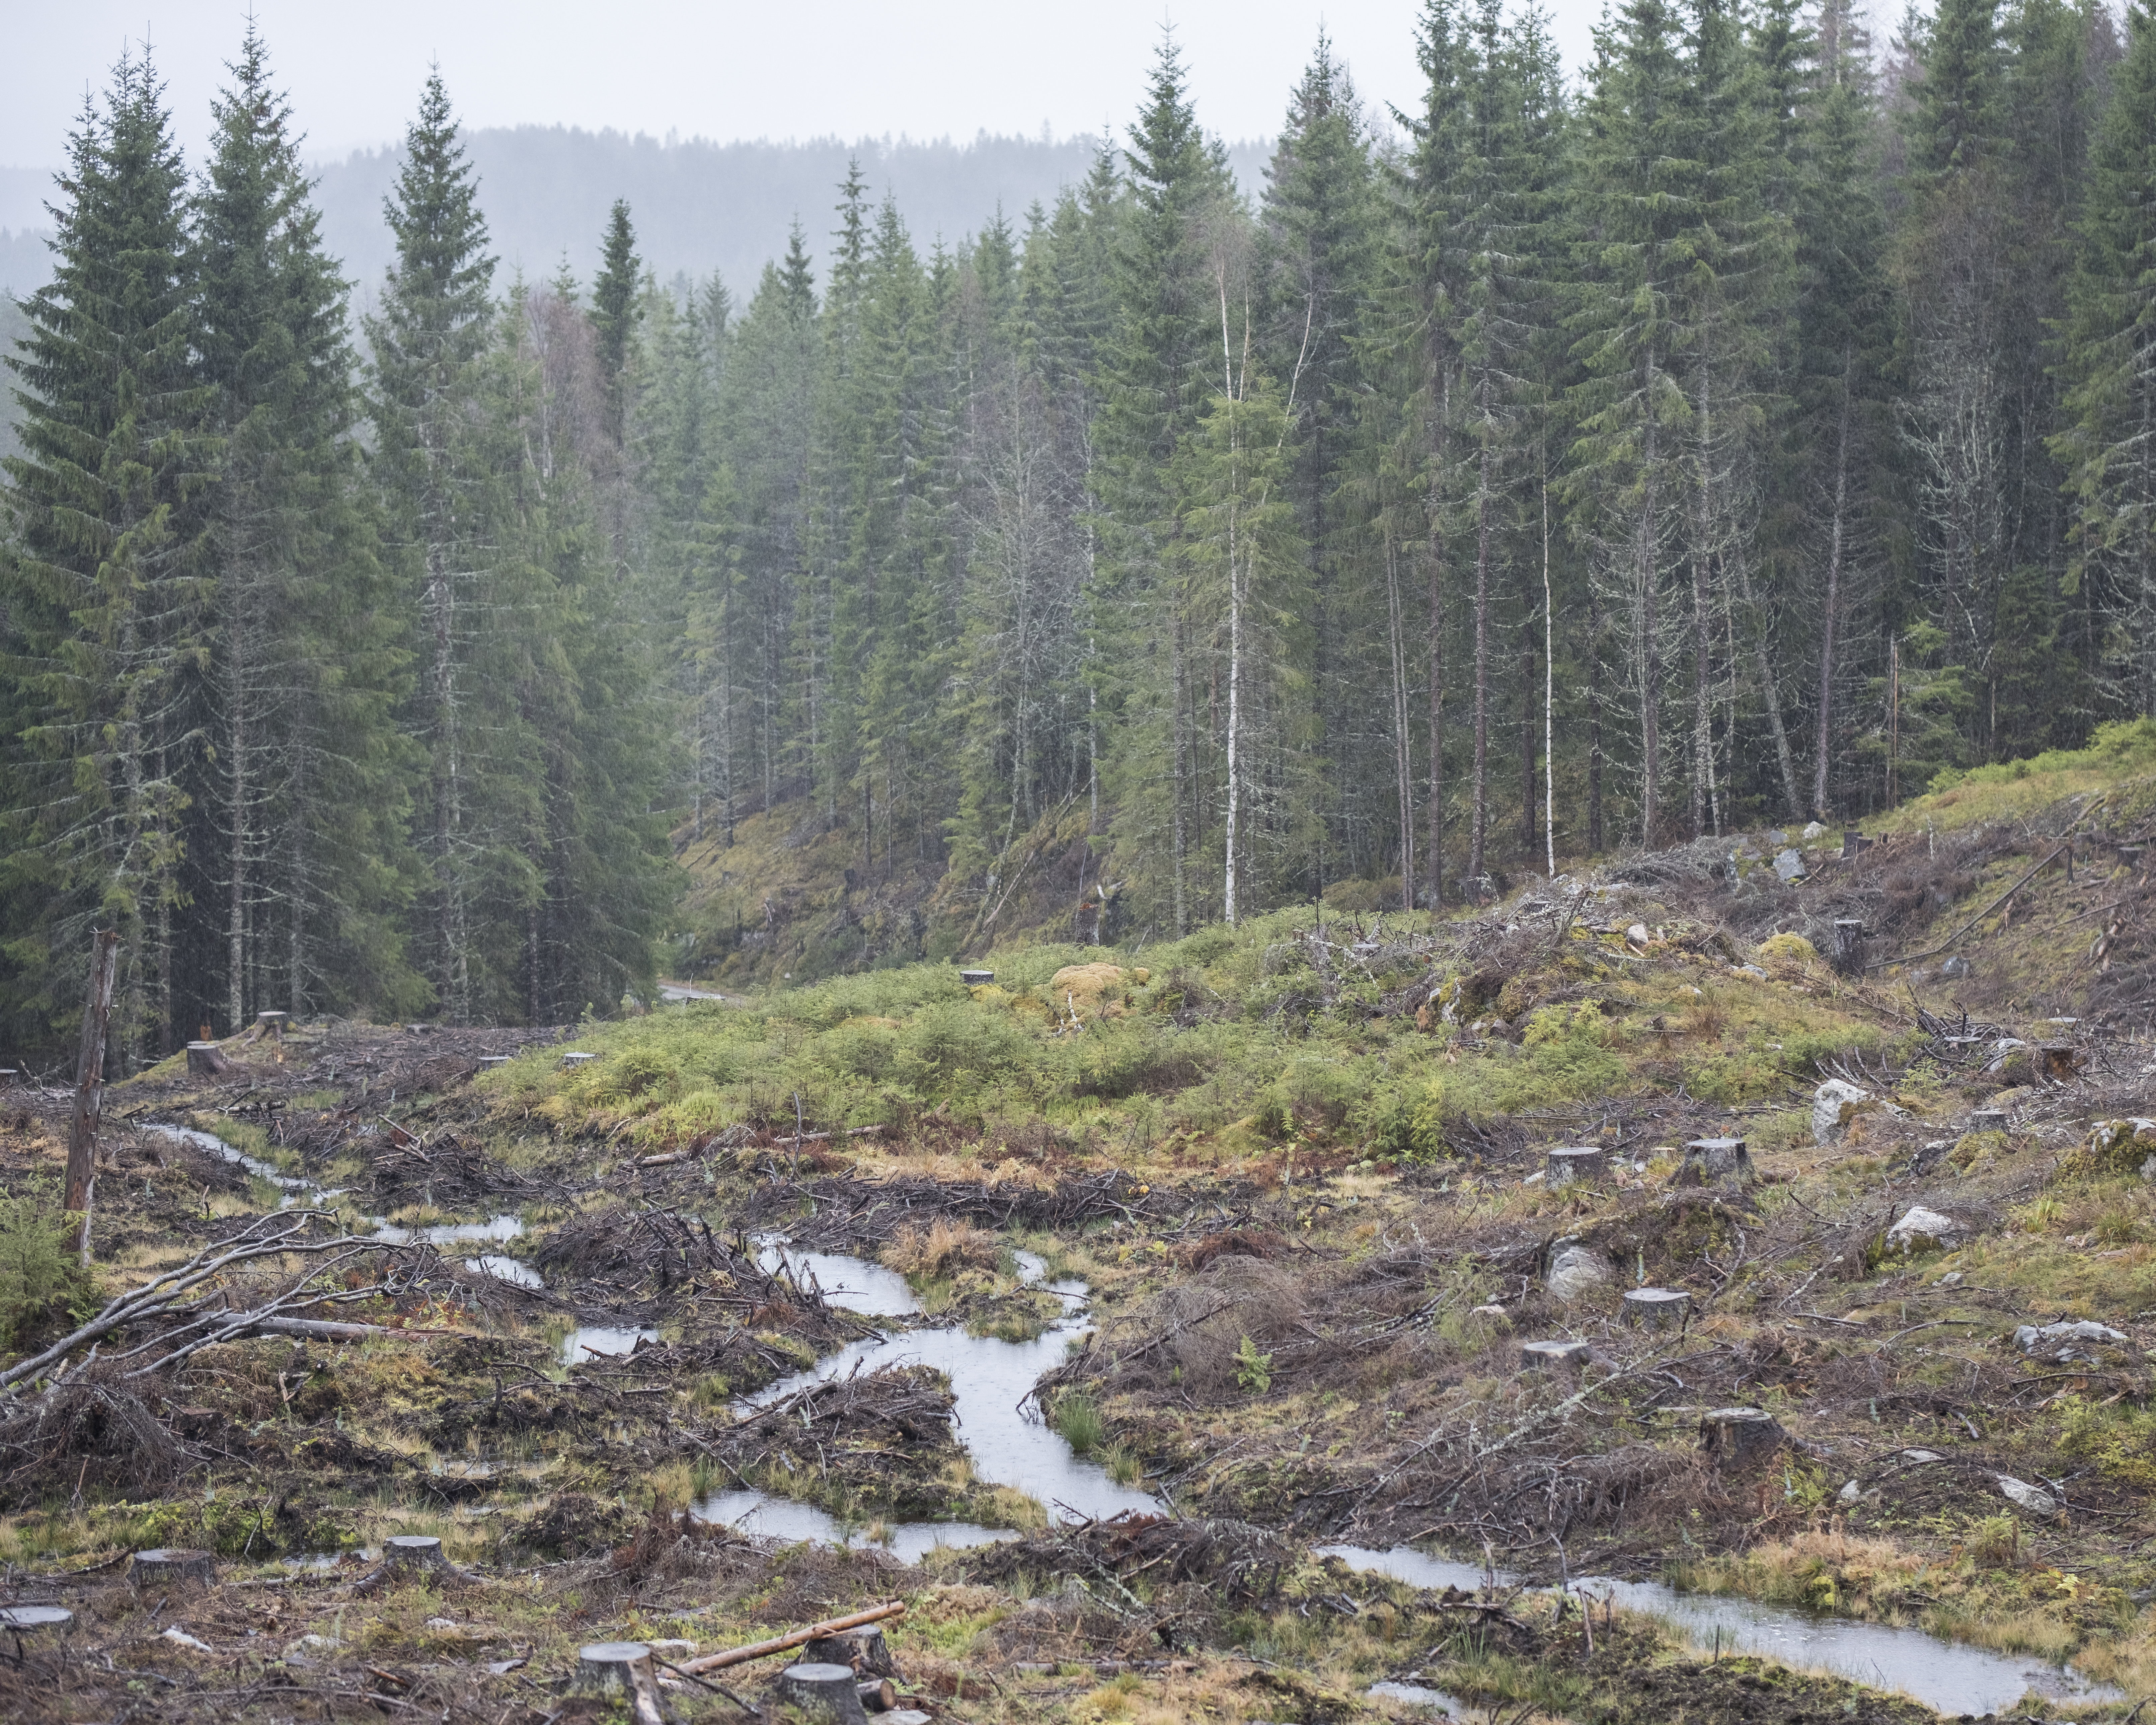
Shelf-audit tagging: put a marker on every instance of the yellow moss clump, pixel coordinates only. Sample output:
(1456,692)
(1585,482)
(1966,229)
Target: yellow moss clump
(1084,988)
(1786,957)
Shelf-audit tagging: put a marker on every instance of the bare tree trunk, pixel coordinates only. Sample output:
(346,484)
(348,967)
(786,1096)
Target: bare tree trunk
(1403,737)
(1702,744)
(1832,619)
(1481,818)
(1181,767)
(1770,693)
(1649,646)
(1549,692)
(1593,721)
(89,1086)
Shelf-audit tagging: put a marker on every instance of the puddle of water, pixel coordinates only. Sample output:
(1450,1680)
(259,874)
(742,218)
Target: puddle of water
(1944,1675)
(604,1341)
(1032,1268)
(781,1518)
(504,1269)
(853,1283)
(1417,1695)
(448,1233)
(990,1380)
(291,1187)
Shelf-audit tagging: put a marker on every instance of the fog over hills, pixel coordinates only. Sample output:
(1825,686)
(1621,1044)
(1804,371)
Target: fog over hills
(698,206)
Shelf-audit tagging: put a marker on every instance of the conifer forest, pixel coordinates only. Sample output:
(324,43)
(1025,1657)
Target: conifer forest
(1743,429)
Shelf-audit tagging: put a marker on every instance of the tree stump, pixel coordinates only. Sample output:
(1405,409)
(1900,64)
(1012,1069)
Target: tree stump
(172,1566)
(976,978)
(905,1716)
(1570,1163)
(2060,1061)
(606,1667)
(1848,955)
(273,1023)
(1988,1120)
(495,1059)
(1541,1356)
(408,1556)
(21,1621)
(1854,844)
(879,1695)
(863,1651)
(826,1693)
(9,1075)
(205,1060)
(576,1057)
(1658,1308)
(1715,1161)
(1733,1435)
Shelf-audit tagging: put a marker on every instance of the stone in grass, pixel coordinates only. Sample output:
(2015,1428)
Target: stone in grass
(1923,1231)
(1731,1437)
(1835,1105)
(1575,1271)
(2033,1498)
(825,1694)
(1658,1308)
(2071,1340)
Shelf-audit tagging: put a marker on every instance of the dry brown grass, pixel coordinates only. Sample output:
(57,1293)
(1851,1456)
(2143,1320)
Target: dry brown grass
(941,1249)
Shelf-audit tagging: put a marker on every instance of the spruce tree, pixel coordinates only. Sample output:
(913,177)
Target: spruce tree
(615,309)
(103,571)
(2108,447)
(297,858)
(428,338)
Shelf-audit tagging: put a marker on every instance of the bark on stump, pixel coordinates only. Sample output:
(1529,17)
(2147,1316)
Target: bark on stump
(604,1667)
(2061,1060)
(1715,1161)
(862,1650)
(1583,1163)
(1734,1436)
(172,1566)
(410,1555)
(879,1695)
(577,1057)
(272,1022)
(205,1060)
(826,1693)
(1540,1356)
(1988,1120)
(21,1621)
(1658,1308)
(1848,944)
(1853,843)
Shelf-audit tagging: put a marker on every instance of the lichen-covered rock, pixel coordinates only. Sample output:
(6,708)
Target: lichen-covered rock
(1923,1231)
(1834,1104)
(2033,1498)
(2069,1340)
(1575,1271)
(2112,1147)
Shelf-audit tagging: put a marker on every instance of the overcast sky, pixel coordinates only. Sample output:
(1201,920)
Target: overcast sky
(724,71)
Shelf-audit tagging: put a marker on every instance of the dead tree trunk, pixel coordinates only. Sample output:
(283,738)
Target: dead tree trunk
(89,1084)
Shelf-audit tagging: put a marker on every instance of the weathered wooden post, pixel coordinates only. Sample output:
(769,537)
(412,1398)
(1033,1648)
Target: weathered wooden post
(89,1084)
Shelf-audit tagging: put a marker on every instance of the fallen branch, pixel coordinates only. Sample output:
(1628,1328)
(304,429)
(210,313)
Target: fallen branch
(780,1643)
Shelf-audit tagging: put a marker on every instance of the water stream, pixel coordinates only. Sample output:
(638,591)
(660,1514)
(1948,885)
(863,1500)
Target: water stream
(1945,1675)
(990,1379)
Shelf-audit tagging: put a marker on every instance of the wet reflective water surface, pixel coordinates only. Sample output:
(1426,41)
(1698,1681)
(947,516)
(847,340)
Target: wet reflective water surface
(1946,1675)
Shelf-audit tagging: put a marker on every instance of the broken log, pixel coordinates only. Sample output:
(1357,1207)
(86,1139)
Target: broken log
(824,1693)
(798,1638)
(879,1695)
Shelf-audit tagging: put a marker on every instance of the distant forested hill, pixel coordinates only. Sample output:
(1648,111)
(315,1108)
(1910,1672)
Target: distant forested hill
(699,206)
